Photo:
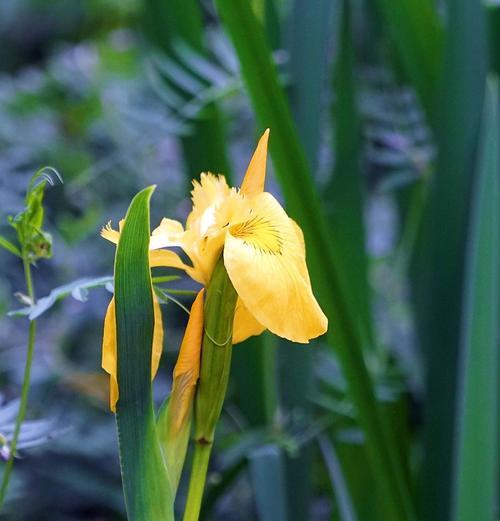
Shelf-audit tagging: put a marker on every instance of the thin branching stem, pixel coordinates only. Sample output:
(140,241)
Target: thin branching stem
(26,385)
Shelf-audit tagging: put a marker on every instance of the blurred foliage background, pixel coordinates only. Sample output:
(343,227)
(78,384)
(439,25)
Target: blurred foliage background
(384,122)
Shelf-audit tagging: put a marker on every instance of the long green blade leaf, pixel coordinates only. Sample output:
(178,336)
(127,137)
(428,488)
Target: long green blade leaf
(267,471)
(476,459)
(146,485)
(302,201)
(459,115)
(418,37)
(344,198)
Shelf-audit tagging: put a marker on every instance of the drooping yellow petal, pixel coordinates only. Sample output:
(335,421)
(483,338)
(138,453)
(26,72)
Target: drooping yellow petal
(187,368)
(255,177)
(265,260)
(245,325)
(109,349)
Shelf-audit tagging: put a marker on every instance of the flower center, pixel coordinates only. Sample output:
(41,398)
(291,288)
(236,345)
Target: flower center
(260,233)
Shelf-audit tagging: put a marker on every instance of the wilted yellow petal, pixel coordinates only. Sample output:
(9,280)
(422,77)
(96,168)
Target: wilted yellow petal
(245,324)
(255,177)
(109,348)
(265,260)
(187,368)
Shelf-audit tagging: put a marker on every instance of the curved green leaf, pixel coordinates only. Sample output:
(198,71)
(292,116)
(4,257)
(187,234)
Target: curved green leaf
(148,493)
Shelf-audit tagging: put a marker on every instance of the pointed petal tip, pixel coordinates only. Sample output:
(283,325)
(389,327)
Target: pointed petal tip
(255,176)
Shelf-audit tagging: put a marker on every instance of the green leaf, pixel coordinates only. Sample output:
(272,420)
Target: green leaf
(310,24)
(267,472)
(341,493)
(475,487)
(443,246)
(303,204)
(12,248)
(344,197)
(166,24)
(148,492)
(417,34)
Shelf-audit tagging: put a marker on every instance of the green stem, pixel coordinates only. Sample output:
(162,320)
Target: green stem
(197,482)
(26,385)
(220,304)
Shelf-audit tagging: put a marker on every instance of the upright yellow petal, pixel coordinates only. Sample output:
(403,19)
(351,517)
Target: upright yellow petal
(265,260)
(109,350)
(245,325)
(187,368)
(157,348)
(109,353)
(255,177)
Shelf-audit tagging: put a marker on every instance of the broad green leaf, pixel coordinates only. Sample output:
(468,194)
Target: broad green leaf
(443,246)
(267,473)
(303,204)
(148,493)
(476,467)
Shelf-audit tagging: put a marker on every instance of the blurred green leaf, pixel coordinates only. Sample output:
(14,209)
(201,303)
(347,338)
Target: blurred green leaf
(417,33)
(310,25)
(292,169)
(442,247)
(345,507)
(343,196)
(168,25)
(267,472)
(148,493)
(12,248)
(475,480)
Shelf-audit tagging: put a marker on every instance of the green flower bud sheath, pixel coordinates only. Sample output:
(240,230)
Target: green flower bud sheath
(220,305)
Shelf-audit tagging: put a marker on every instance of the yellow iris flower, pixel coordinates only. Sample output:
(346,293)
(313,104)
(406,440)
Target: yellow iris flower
(263,252)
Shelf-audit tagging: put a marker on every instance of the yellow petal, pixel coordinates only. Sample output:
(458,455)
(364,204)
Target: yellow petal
(109,348)
(245,324)
(166,259)
(208,193)
(265,260)
(109,353)
(109,234)
(157,348)
(168,233)
(255,177)
(187,368)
